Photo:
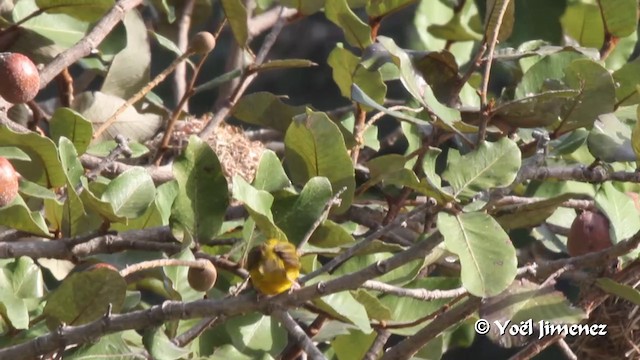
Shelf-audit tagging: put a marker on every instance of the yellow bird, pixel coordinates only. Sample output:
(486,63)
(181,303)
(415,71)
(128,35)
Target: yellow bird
(274,266)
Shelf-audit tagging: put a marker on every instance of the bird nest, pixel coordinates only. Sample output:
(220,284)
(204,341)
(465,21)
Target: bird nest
(622,340)
(238,155)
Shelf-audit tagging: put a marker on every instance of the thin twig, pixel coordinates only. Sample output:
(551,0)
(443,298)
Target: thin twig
(566,350)
(230,306)
(378,345)
(150,264)
(180,74)
(298,334)
(348,253)
(89,42)
(223,112)
(411,345)
(188,336)
(164,144)
(420,294)
(334,200)
(140,94)
(487,71)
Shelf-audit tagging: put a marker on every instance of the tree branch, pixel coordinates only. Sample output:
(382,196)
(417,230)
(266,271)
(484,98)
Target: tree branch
(88,43)
(411,345)
(298,334)
(229,306)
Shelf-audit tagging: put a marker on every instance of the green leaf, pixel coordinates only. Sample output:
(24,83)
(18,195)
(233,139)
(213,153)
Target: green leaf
(348,71)
(440,71)
(456,29)
(393,169)
(270,175)
(202,197)
(620,16)
(499,17)
(490,165)
(14,310)
(296,214)
(256,334)
(581,16)
(258,204)
(13,153)
(157,214)
(620,210)
(381,8)
(129,70)
(266,109)
(487,256)
(236,14)
(18,216)
(597,94)
(361,97)
(626,79)
(306,7)
(532,214)
(343,306)
(34,190)
(406,309)
(356,32)
(23,278)
(620,290)
(446,117)
(104,148)
(161,347)
(308,154)
(436,12)
(90,201)
(610,140)
(68,123)
(85,10)
(44,168)
(375,309)
(538,19)
(113,345)
(524,301)
(353,345)
(550,66)
(538,110)
(130,193)
(379,251)
(329,234)
(98,107)
(70,161)
(85,296)
(61,29)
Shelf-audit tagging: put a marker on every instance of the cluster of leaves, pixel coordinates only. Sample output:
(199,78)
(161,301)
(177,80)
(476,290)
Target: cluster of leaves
(582,93)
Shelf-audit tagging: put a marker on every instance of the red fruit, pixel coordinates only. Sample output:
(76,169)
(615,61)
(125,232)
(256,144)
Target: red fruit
(589,233)
(8,182)
(19,78)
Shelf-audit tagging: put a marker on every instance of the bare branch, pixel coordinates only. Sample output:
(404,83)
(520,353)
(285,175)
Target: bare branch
(88,43)
(411,345)
(229,306)
(298,334)
(420,294)
(180,73)
(378,345)
(396,223)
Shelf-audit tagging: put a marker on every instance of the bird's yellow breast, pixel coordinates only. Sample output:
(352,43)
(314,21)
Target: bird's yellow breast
(274,266)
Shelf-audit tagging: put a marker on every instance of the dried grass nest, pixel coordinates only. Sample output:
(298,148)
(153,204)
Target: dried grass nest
(623,332)
(238,155)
